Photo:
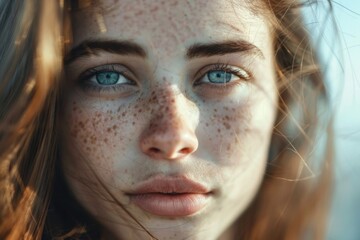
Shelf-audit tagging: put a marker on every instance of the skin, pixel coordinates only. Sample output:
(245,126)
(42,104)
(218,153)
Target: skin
(161,121)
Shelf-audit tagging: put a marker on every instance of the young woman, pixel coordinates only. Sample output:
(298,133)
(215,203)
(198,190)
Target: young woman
(161,120)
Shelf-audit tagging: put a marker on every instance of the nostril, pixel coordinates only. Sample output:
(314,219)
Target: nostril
(154,150)
(185,151)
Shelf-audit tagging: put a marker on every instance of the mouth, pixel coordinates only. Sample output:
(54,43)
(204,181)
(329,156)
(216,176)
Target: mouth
(170,196)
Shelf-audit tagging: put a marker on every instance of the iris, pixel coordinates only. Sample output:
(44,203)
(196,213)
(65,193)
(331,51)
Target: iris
(107,78)
(219,76)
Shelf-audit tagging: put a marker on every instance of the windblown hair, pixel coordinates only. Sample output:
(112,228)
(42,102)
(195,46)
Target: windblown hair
(293,199)
(30,53)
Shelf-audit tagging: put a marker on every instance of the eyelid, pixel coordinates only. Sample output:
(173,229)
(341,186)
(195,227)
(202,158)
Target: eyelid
(114,67)
(238,71)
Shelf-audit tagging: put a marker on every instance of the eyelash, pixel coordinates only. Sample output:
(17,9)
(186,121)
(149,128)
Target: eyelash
(84,78)
(239,72)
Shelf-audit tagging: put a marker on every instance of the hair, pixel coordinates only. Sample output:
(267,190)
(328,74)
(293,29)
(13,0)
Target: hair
(293,199)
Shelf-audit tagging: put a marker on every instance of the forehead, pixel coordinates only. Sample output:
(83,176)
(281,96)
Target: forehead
(165,20)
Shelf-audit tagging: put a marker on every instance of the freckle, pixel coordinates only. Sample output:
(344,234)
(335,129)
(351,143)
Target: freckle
(139,13)
(106,140)
(108,129)
(226,108)
(88,149)
(227,125)
(85,140)
(207,124)
(219,130)
(119,108)
(135,114)
(123,114)
(140,110)
(215,110)
(133,123)
(154,9)
(114,127)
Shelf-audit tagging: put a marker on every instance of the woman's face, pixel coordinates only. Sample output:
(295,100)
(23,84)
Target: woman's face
(167,115)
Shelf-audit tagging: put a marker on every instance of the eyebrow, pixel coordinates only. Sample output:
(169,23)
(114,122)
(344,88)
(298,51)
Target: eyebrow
(222,48)
(92,47)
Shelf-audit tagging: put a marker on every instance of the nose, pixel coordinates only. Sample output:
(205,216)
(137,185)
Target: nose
(170,134)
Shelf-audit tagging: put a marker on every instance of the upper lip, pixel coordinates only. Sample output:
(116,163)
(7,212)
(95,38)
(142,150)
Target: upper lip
(168,185)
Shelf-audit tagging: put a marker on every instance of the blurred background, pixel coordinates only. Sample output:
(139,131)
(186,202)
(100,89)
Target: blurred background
(336,32)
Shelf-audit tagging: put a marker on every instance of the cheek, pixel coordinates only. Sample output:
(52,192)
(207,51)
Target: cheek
(224,127)
(97,135)
(236,134)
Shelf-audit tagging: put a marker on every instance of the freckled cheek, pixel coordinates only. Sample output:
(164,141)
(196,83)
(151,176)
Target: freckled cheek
(225,128)
(100,136)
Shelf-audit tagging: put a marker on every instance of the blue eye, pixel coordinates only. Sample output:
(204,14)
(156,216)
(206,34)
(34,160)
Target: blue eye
(219,76)
(107,78)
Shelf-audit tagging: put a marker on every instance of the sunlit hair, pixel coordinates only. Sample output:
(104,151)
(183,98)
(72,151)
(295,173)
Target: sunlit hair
(30,53)
(293,199)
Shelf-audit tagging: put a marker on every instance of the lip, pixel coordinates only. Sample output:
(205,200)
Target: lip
(170,196)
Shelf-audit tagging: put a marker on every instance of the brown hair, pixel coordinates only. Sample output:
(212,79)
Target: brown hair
(292,200)
(30,53)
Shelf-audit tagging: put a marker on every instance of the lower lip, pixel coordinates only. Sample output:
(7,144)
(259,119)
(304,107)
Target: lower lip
(177,205)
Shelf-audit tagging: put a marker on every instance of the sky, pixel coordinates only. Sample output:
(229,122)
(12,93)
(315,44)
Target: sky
(340,49)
